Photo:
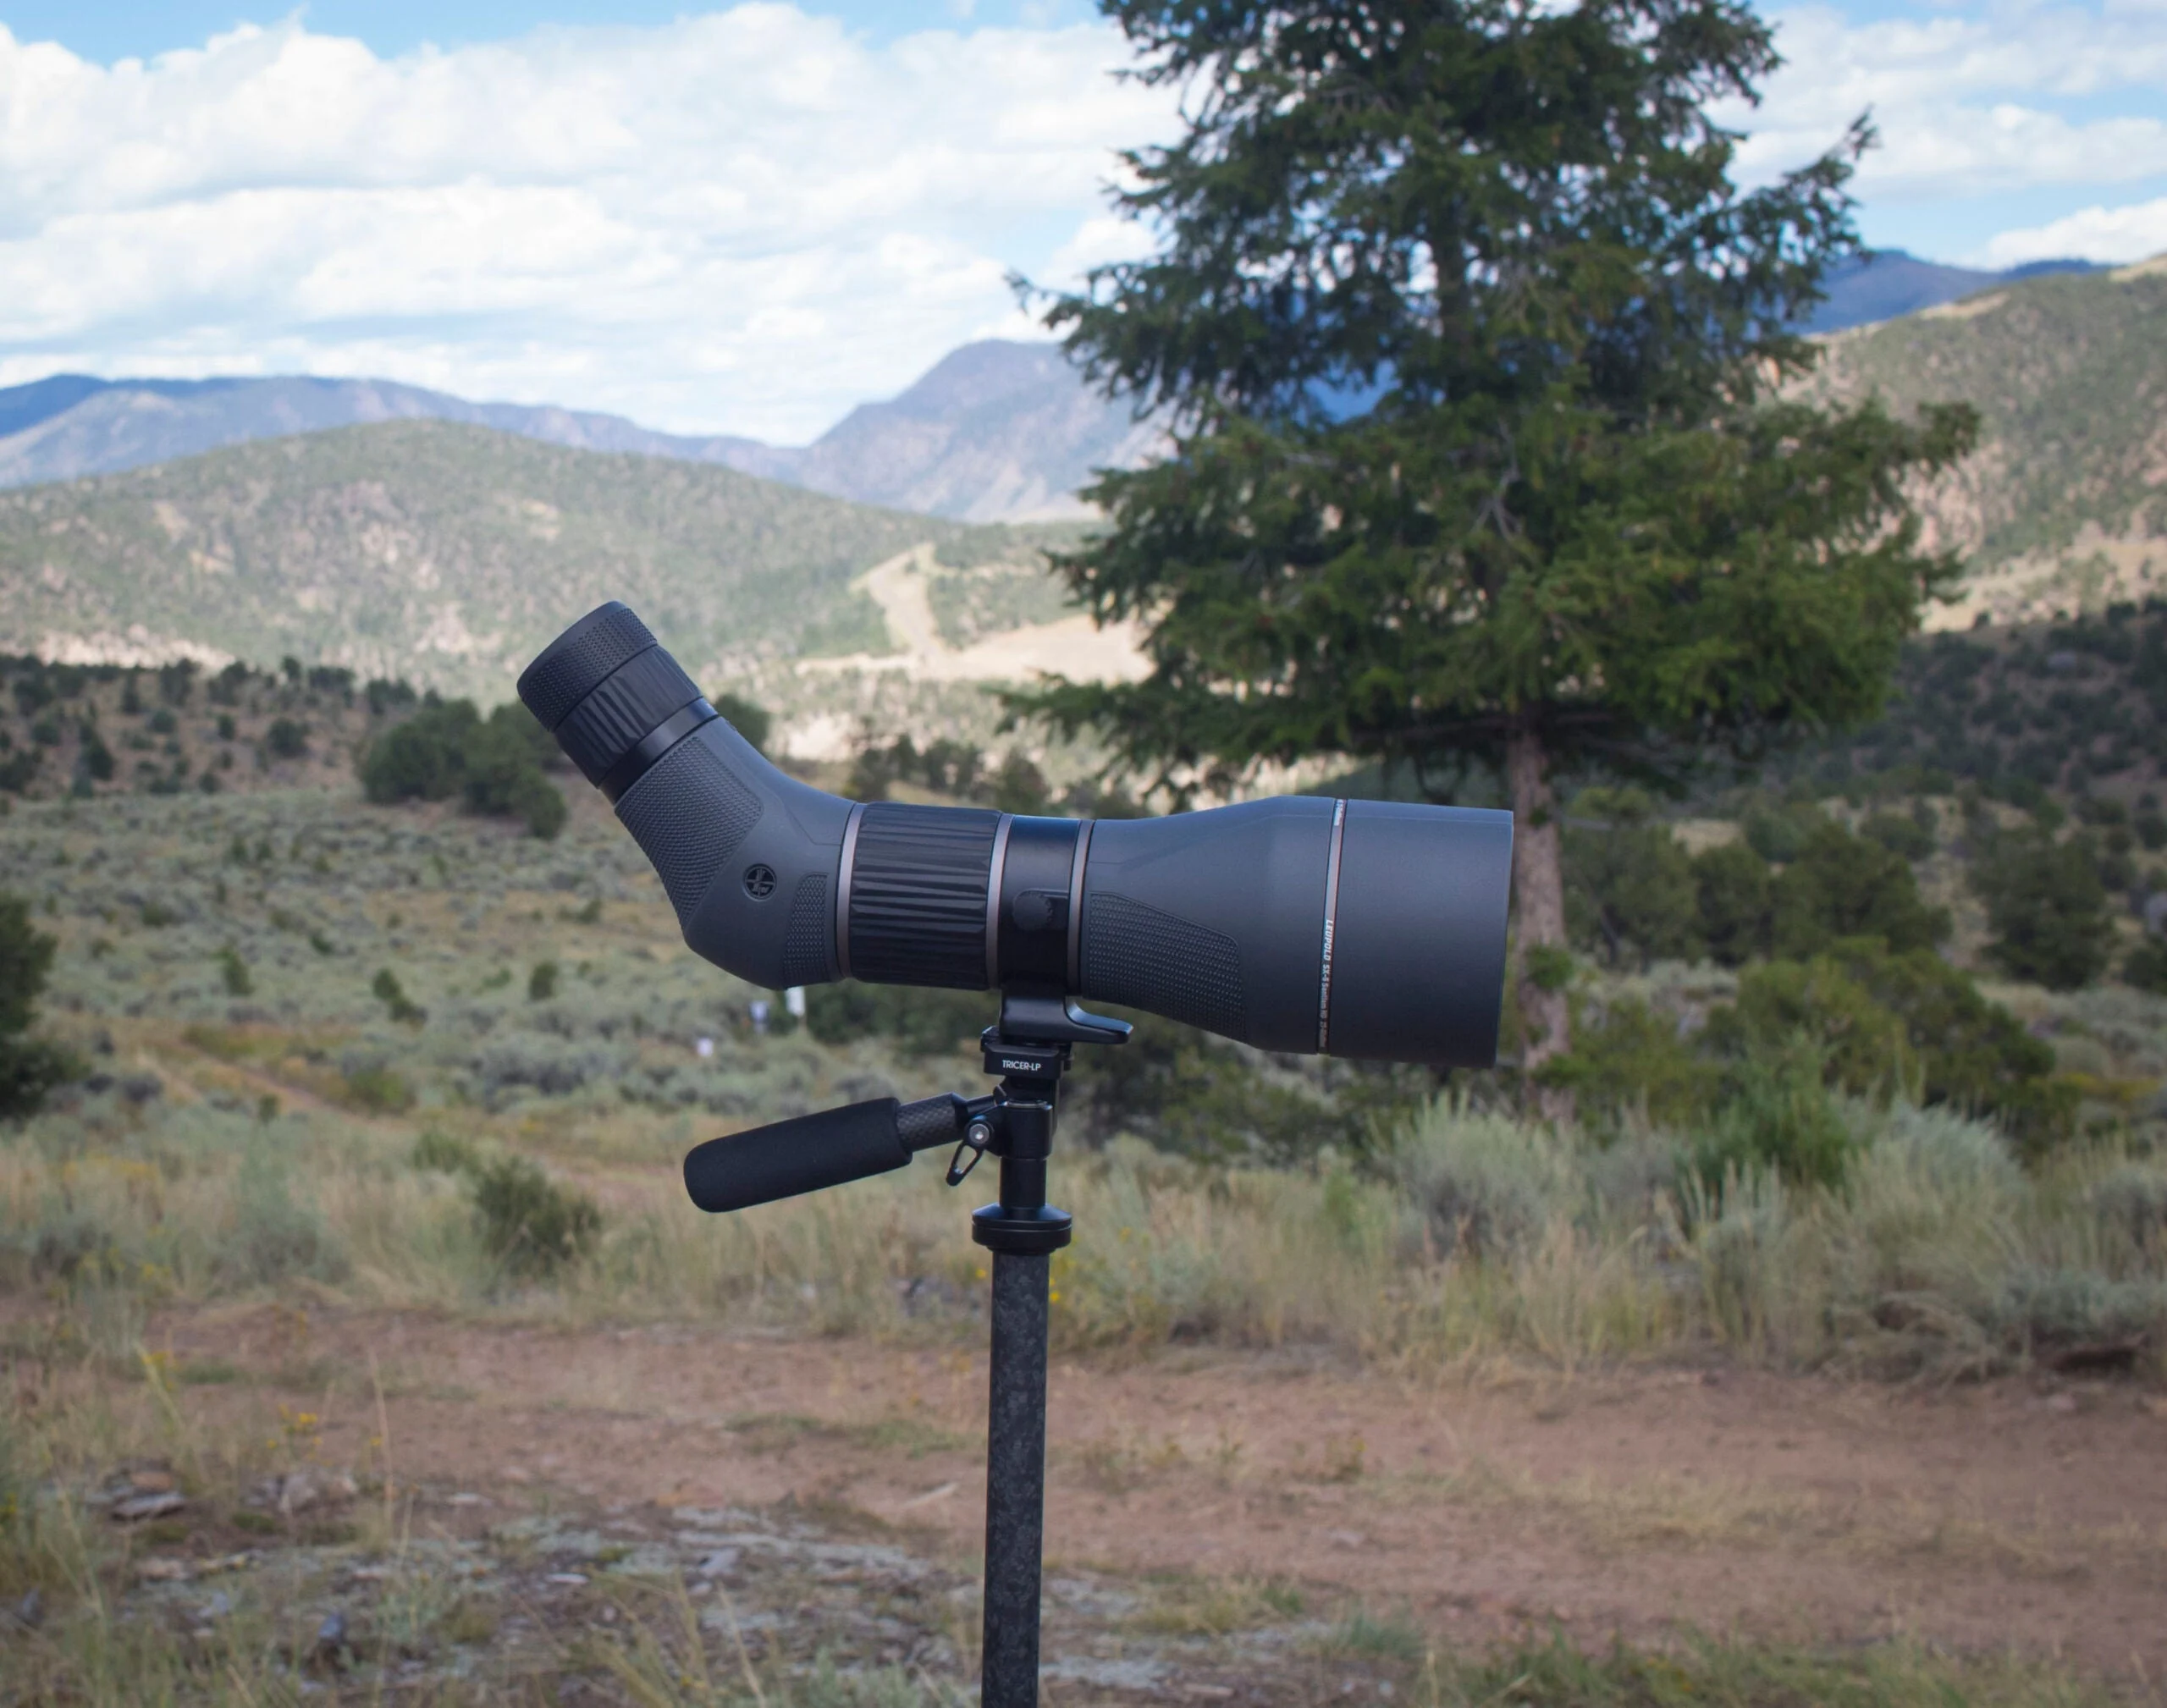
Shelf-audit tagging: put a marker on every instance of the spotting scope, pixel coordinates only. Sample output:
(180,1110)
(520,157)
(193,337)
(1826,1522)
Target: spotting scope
(1301,924)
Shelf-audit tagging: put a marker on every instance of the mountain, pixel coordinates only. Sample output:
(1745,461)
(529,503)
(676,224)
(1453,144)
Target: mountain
(2063,507)
(449,554)
(1888,283)
(995,430)
(71,424)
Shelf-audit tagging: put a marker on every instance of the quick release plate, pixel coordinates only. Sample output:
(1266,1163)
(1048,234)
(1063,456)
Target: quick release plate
(1021,1060)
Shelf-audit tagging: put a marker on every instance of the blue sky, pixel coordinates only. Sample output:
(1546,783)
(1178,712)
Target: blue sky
(747,220)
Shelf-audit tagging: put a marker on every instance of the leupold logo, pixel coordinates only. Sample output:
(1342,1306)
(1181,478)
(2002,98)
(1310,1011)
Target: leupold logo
(759,882)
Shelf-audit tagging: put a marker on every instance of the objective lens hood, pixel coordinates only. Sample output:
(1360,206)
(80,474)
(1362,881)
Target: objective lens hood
(1303,924)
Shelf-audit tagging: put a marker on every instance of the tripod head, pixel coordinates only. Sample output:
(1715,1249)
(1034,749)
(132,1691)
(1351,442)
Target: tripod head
(1027,1049)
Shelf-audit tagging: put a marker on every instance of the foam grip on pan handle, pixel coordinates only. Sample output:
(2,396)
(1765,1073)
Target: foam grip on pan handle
(813,1151)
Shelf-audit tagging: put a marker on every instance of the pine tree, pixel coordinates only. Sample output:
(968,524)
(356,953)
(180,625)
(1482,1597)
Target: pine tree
(1473,355)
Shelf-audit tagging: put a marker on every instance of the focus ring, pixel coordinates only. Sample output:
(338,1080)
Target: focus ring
(917,895)
(644,692)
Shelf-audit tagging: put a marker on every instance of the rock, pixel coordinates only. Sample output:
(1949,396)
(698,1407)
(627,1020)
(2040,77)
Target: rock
(150,1482)
(297,1491)
(217,1606)
(570,1580)
(161,1568)
(330,1637)
(137,1508)
(30,1612)
(722,1563)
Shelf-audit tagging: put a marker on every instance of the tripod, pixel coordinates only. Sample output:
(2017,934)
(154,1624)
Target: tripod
(1028,1048)
(1028,1051)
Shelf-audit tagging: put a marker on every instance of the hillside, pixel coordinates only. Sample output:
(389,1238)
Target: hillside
(447,554)
(2064,506)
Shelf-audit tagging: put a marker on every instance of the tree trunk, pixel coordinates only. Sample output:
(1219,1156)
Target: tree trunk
(1539,900)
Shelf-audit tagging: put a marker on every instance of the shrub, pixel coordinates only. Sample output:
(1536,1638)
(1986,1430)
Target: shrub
(423,758)
(923,1022)
(750,720)
(1183,1091)
(1912,1024)
(531,1224)
(377,1090)
(1779,832)
(443,1153)
(1632,1063)
(1018,786)
(1629,892)
(1906,838)
(272,1237)
(542,982)
(1485,1183)
(233,972)
(30,1068)
(2145,966)
(387,991)
(1731,887)
(286,739)
(1844,886)
(449,750)
(1776,1114)
(2048,908)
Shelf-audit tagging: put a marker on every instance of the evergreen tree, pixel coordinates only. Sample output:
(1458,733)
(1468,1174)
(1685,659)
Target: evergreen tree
(1470,349)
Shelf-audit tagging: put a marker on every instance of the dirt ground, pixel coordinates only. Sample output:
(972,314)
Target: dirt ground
(2031,1517)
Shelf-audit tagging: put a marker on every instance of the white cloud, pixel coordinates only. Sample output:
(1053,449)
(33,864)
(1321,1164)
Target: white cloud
(1987,97)
(748,221)
(2097,233)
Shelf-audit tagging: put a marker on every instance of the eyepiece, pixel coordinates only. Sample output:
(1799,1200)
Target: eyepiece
(615,700)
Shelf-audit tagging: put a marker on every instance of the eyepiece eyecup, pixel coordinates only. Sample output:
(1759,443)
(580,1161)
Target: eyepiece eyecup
(580,660)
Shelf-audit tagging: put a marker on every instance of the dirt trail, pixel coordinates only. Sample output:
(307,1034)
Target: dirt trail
(1980,1518)
(1074,647)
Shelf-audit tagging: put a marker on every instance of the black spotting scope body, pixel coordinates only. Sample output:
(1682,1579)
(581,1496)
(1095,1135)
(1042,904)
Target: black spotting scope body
(1363,929)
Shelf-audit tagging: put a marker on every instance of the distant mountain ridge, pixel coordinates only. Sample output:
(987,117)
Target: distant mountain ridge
(1888,283)
(995,430)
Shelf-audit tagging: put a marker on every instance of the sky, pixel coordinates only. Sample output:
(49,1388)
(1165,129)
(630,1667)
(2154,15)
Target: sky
(749,219)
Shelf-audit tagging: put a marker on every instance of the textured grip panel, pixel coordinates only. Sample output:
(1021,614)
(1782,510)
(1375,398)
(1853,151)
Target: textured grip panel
(688,814)
(806,943)
(574,664)
(613,720)
(918,896)
(1142,958)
